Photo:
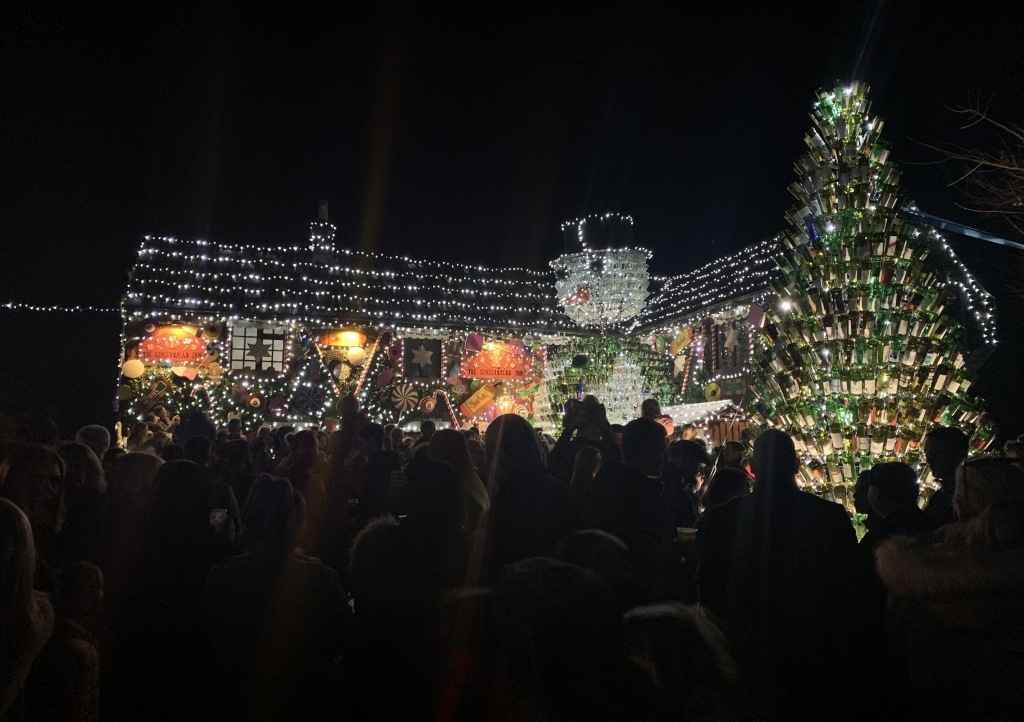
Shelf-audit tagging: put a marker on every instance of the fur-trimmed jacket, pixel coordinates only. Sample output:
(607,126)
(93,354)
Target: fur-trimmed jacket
(956,618)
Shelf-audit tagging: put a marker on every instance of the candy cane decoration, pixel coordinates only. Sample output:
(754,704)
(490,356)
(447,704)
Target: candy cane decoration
(448,403)
(367,364)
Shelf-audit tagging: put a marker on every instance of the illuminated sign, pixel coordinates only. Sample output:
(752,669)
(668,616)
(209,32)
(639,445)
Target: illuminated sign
(178,344)
(497,362)
(476,404)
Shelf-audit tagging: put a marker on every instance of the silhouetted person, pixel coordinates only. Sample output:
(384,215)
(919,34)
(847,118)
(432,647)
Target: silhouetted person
(26,617)
(530,509)
(277,618)
(892,492)
(585,424)
(955,614)
(777,562)
(686,463)
(627,500)
(944,448)
(726,484)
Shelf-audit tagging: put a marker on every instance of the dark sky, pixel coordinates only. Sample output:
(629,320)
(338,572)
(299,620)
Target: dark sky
(451,135)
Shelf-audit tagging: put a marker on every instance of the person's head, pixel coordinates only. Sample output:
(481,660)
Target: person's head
(689,432)
(184,497)
(585,465)
(726,484)
(172,452)
(371,437)
(643,446)
(511,446)
(236,454)
(650,408)
(607,556)
(96,437)
(235,427)
(450,445)
(983,481)
(434,496)
(944,448)
(892,487)
(690,457)
(348,405)
(477,452)
(563,636)
(32,476)
(427,429)
(1014,449)
(84,472)
(79,591)
(304,443)
(617,430)
(989,500)
(731,454)
(199,449)
(774,462)
(37,428)
(134,475)
(686,658)
(273,515)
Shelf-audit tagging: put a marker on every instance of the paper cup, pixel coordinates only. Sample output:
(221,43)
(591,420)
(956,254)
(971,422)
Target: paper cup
(686,533)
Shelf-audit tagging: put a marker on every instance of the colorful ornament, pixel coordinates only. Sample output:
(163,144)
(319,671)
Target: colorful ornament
(278,406)
(404,397)
(356,356)
(474,342)
(254,402)
(132,368)
(428,405)
(385,376)
(395,352)
(213,331)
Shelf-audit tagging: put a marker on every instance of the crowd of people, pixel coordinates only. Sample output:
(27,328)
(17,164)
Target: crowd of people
(614,572)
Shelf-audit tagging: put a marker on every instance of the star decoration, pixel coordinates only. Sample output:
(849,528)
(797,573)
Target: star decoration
(422,357)
(259,350)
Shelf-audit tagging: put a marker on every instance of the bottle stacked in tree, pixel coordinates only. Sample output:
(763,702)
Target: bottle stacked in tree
(857,358)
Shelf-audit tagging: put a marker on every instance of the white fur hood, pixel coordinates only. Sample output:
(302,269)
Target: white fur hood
(958,582)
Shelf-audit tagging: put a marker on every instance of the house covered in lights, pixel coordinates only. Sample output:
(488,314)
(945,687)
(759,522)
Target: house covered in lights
(859,316)
(280,335)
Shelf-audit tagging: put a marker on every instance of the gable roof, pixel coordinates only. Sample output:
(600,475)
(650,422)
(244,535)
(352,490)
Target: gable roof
(203,277)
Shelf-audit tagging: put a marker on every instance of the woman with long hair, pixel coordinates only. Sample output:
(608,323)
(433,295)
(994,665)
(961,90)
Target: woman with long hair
(530,509)
(26,617)
(450,445)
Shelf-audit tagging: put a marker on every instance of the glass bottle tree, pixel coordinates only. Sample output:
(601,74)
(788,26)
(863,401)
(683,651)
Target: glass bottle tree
(858,356)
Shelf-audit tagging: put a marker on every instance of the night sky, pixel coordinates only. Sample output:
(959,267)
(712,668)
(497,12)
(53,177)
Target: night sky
(439,135)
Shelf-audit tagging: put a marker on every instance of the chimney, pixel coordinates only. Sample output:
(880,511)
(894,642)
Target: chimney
(321,235)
